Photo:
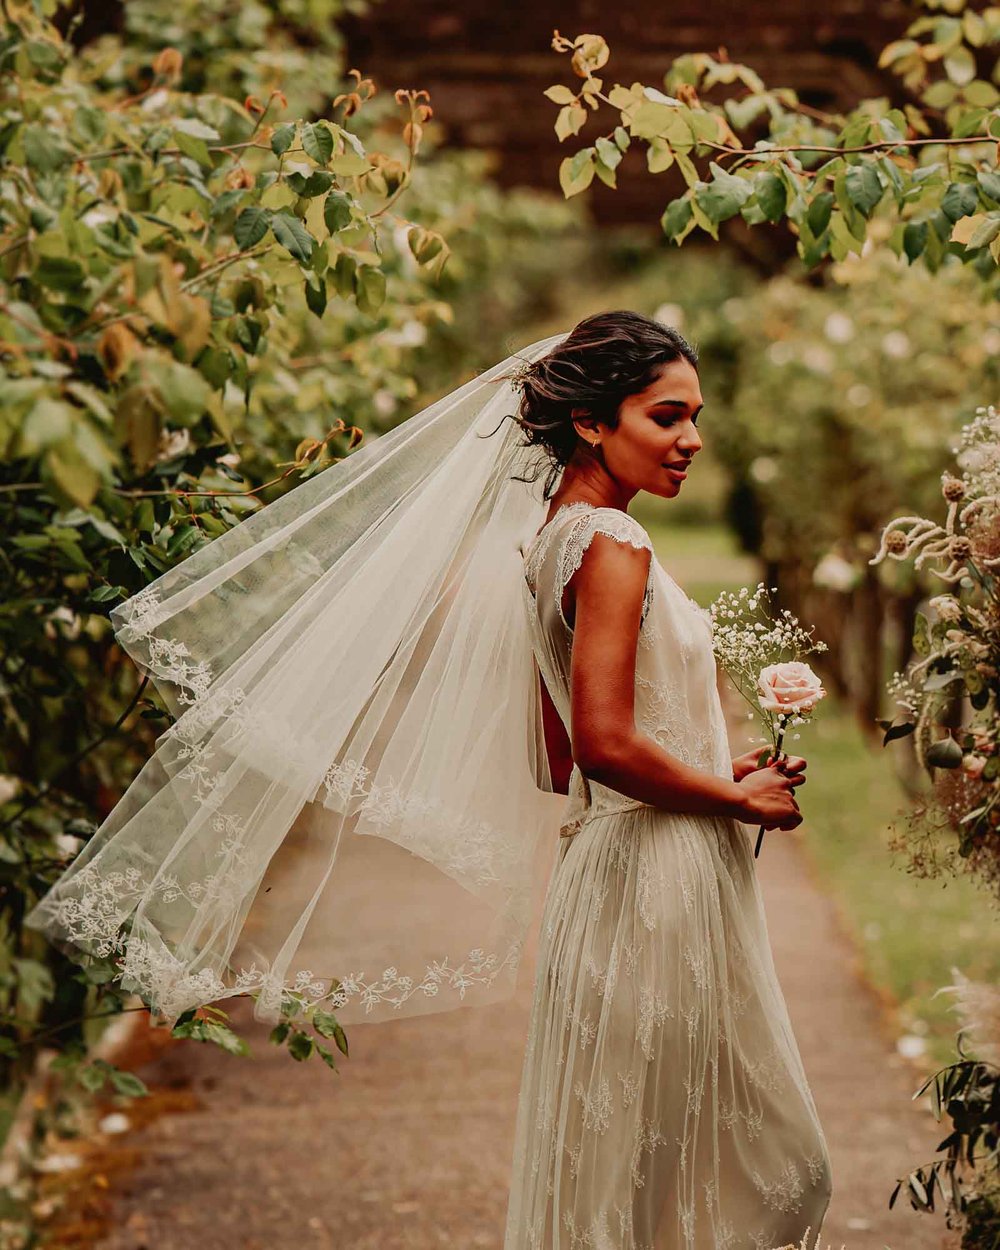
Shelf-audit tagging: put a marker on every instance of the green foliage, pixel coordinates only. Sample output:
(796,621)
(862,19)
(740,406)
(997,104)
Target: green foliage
(194,288)
(926,169)
(968,1092)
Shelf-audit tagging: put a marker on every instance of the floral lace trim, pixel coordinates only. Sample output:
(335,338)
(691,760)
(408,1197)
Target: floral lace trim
(167,659)
(480,854)
(95,917)
(536,547)
(617,525)
(783,1194)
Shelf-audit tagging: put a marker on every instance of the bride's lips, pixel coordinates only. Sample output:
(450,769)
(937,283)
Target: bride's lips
(679,474)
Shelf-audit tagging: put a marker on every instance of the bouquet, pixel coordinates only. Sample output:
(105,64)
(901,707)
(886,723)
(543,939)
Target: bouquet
(760,652)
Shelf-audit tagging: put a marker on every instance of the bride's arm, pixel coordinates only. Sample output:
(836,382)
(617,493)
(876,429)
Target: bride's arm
(607,593)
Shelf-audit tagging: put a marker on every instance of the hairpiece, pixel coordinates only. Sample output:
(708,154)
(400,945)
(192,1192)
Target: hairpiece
(520,374)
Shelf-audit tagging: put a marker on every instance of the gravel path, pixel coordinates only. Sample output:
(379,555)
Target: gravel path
(408,1147)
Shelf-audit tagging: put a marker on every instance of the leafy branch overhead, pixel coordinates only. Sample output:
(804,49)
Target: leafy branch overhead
(927,170)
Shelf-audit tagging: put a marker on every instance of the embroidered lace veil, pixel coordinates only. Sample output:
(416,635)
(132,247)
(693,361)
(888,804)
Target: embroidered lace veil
(354,802)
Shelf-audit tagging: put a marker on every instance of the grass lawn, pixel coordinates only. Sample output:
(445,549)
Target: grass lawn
(910,932)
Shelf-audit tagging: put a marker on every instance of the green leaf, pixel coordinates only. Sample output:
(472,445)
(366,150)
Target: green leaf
(577,172)
(197,129)
(74,476)
(327,1056)
(818,216)
(989,184)
(772,195)
(570,121)
(424,244)
(316,297)
(676,217)
(251,226)
(898,731)
(559,94)
(325,1023)
(724,196)
(318,182)
(41,149)
(960,66)
(301,1045)
(282,139)
(659,157)
(48,422)
(959,200)
(226,201)
(944,753)
(317,142)
(60,273)
(371,289)
(92,1077)
(981,94)
(215,364)
(349,164)
(184,391)
(864,187)
(337,210)
(89,125)
(293,236)
(914,239)
(44,55)
(193,147)
(609,152)
(128,1083)
(985,232)
(222,1036)
(345,275)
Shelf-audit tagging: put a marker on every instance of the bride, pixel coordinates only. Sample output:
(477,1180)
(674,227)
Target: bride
(663,1102)
(395,689)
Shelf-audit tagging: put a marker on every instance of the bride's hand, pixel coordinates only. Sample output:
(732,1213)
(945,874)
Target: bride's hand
(770,794)
(746,762)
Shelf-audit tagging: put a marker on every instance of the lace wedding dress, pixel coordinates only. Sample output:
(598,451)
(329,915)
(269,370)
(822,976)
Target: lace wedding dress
(663,1102)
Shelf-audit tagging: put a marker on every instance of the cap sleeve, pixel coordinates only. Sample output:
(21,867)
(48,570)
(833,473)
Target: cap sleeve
(577,538)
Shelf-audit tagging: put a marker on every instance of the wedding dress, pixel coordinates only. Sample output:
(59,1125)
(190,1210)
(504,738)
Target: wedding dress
(663,1103)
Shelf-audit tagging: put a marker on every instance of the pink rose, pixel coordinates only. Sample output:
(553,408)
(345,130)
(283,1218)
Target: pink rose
(789,687)
(973,766)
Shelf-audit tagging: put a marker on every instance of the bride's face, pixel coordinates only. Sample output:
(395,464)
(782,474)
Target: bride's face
(657,429)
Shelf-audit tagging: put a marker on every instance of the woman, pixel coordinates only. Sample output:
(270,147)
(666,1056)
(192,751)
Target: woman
(356,799)
(663,1101)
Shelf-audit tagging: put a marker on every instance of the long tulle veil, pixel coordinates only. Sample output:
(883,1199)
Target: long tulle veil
(354,800)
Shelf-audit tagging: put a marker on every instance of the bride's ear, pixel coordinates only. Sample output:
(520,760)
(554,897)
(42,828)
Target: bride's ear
(586,424)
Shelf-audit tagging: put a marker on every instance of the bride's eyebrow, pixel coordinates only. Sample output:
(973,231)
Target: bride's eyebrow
(674,403)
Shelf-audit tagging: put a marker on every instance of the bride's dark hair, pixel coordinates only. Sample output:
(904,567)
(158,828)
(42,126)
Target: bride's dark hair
(603,359)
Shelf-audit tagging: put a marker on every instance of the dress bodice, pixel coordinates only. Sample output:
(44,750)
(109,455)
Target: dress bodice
(676,679)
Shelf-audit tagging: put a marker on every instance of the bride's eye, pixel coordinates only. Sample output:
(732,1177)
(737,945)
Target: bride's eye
(667,422)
